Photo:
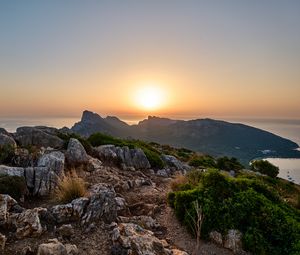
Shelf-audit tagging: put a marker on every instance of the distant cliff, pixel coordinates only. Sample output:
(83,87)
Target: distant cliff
(209,136)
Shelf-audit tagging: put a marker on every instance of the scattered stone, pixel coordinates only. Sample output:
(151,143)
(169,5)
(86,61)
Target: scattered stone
(27,223)
(6,203)
(66,231)
(173,162)
(76,153)
(162,173)
(233,241)
(145,221)
(2,241)
(71,249)
(93,164)
(216,237)
(53,247)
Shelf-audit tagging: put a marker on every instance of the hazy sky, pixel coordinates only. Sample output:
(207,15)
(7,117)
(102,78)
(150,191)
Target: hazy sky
(208,58)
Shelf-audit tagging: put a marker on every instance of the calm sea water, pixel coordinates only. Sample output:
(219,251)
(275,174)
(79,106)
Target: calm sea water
(289,168)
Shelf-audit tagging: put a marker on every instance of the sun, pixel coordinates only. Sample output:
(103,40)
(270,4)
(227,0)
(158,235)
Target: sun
(149,97)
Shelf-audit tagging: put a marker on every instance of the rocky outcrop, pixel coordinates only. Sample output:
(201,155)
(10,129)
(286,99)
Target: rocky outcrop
(76,153)
(93,164)
(6,205)
(100,205)
(27,223)
(130,238)
(174,163)
(42,179)
(38,136)
(2,242)
(127,157)
(232,240)
(6,140)
(54,247)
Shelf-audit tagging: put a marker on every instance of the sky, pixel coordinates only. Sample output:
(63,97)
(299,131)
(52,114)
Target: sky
(184,58)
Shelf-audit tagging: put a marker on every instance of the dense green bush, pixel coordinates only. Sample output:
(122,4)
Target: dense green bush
(269,225)
(6,154)
(151,153)
(203,161)
(14,186)
(265,167)
(228,164)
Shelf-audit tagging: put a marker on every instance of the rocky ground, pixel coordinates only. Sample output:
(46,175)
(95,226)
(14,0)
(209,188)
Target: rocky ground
(124,212)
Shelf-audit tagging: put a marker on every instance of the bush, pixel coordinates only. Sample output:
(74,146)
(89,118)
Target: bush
(180,182)
(6,154)
(228,164)
(69,188)
(265,167)
(14,186)
(203,161)
(269,225)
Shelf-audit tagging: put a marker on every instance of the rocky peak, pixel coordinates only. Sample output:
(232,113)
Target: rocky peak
(88,116)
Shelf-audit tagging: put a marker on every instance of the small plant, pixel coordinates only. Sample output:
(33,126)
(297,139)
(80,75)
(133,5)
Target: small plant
(69,188)
(6,154)
(265,167)
(15,186)
(203,161)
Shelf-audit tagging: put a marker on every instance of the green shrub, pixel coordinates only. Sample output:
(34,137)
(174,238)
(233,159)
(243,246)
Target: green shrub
(228,164)
(14,186)
(265,167)
(203,161)
(269,225)
(6,154)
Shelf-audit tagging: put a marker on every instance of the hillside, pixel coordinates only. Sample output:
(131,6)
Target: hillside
(214,137)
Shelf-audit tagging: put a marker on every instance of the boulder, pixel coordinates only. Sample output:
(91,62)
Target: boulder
(233,241)
(102,204)
(93,164)
(107,152)
(173,162)
(71,249)
(133,239)
(146,221)
(2,242)
(53,247)
(76,153)
(162,173)
(12,171)
(6,204)
(54,161)
(66,230)
(6,140)
(216,237)
(38,136)
(139,159)
(3,131)
(27,223)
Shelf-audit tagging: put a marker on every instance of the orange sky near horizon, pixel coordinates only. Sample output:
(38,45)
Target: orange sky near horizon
(206,60)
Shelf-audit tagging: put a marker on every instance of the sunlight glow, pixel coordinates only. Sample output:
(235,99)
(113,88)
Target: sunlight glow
(149,97)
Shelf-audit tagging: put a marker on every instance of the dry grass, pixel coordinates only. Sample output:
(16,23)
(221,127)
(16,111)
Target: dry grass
(178,182)
(69,188)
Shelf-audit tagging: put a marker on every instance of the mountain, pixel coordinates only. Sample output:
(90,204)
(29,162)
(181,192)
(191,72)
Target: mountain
(215,137)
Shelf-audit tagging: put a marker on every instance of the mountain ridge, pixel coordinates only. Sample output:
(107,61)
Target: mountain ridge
(216,137)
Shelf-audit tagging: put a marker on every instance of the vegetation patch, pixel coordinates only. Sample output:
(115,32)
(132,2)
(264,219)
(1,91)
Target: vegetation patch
(15,186)
(251,205)
(265,167)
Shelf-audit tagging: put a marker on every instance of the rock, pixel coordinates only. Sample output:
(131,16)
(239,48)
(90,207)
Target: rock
(233,241)
(145,221)
(102,204)
(27,223)
(139,159)
(162,173)
(38,136)
(54,247)
(173,162)
(76,153)
(6,204)
(3,131)
(107,152)
(71,249)
(216,237)
(136,240)
(12,171)
(93,164)
(178,252)
(6,140)
(2,242)
(50,169)
(66,230)
(121,205)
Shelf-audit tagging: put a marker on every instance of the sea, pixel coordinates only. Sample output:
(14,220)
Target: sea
(287,128)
